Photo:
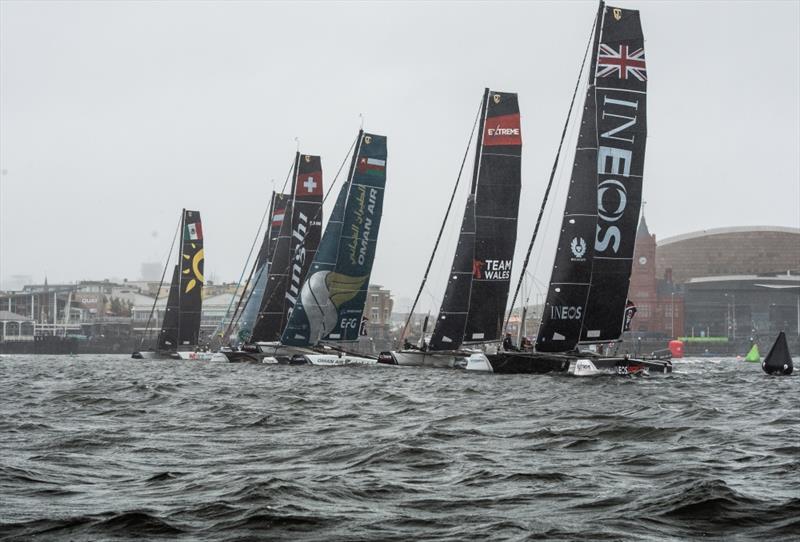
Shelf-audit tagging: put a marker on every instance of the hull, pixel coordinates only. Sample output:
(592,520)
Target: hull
(276,353)
(575,365)
(46,345)
(528,363)
(242,356)
(196,356)
(332,360)
(617,366)
(465,360)
(267,352)
(149,354)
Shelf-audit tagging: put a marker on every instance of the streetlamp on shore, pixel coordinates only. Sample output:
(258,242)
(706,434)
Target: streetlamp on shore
(732,314)
(672,314)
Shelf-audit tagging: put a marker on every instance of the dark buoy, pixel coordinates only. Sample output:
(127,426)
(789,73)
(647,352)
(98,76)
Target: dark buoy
(778,361)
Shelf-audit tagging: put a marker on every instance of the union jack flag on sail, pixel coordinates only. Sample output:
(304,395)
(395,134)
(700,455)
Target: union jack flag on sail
(621,63)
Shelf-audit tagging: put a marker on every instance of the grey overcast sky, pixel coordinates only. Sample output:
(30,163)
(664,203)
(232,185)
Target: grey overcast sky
(115,115)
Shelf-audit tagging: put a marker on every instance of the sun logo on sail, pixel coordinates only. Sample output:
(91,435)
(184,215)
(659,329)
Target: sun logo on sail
(193,231)
(617,14)
(367,140)
(195,268)
(496,98)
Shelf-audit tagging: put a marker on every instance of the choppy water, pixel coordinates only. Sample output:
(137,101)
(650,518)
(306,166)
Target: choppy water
(104,447)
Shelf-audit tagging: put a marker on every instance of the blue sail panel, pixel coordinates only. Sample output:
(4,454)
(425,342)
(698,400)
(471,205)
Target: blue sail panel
(332,299)
(309,308)
(250,312)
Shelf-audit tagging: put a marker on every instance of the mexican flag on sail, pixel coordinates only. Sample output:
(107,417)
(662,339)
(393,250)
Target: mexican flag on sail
(193,232)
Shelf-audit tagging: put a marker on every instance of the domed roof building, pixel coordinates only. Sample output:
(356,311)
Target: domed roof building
(753,250)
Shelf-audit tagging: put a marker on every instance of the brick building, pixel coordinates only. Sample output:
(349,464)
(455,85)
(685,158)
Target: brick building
(659,302)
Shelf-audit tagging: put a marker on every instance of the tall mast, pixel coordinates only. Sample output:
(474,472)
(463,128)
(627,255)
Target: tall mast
(476,164)
(477,290)
(180,275)
(550,181)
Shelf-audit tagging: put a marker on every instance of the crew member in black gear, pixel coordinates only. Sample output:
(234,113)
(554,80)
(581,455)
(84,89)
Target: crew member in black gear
(508,344)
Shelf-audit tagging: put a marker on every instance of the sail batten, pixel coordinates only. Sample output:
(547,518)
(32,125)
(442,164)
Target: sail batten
(331,301)
(263,260)
(295,248)
(181,323)
(591,273)
(621,136)
(477,290)
(168,337)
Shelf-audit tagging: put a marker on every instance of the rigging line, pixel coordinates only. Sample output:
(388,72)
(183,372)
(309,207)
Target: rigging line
(446,214)
(552,174)
(265,301)
(163,274)
(336,177)
(180,276)
(355,149)
(535,286)
(288,176)
(244,268)
(236,315)
(592,86)
(564,171)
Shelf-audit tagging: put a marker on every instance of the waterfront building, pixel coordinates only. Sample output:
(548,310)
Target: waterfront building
(15,327)
(215,308)
(738,282)
(741,307)
(720,288)
(377,331)
(753,250)
(659,301)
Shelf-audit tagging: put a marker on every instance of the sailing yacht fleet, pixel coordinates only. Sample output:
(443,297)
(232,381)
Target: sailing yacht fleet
(307,289)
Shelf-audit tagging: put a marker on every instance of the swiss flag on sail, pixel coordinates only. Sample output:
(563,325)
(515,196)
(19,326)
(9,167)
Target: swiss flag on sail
(309,184)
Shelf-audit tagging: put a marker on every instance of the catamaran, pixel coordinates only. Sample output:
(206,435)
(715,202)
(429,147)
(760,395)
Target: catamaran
(289,245)
(180,328)
(477,289)
(327,308)
(587,296)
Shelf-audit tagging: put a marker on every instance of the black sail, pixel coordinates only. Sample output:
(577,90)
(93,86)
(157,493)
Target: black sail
(570,278)
(264,250)
(477,290)
(306,227)
(269,322)
(496,210)
(261,270)
(278,215)
(296,245)
(621,97)
(452,319)
(192,260)
(168,337)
